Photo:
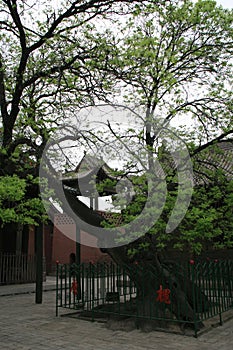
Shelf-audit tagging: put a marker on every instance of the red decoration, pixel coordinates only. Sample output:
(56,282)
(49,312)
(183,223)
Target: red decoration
(163,295)
(74,287)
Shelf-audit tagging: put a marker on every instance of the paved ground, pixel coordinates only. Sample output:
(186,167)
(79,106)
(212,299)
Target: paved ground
(25,325)
(49,284)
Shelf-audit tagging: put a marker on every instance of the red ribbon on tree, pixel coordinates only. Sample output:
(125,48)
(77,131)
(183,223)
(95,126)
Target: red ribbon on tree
(163,295)
(74,287)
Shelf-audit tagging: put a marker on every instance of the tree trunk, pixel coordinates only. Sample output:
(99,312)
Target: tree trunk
(152,278)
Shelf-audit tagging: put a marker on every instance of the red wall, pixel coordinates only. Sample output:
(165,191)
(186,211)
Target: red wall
(90,253)
(64,244)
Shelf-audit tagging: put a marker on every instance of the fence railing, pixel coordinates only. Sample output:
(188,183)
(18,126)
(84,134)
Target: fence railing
(17,268)
(186,294)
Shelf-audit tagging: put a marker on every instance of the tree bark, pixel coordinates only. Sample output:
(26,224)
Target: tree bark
(148,276)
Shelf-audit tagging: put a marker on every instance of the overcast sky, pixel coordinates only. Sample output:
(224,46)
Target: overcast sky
(225,3)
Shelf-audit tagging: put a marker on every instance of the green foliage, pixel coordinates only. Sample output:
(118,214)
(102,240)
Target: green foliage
(209,218)
(50,65)
(15,207)
(208,221)
(175,60)
(171,58)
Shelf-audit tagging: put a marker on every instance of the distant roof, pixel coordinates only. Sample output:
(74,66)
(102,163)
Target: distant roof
(88,169)
(215,158)
(206,163)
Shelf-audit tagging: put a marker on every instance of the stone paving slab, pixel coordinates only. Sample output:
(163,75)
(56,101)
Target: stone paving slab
(25,325)
(49,284)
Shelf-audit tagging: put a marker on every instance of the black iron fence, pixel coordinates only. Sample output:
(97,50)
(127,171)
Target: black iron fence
(17,268)
(186,294)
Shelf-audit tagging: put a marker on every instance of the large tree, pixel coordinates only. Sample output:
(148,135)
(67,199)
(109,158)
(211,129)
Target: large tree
(170,60)
(172,63)
(46,71)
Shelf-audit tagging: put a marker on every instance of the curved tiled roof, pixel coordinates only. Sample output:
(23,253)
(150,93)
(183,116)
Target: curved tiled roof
(212,160)
(206,164)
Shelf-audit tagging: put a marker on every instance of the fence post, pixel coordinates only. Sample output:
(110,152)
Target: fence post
(92,293)
(39,264)
(78,261)
(192,266)
(57,279)
(219,281)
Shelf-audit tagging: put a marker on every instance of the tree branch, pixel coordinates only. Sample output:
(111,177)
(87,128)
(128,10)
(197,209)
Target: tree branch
(74,9)
(12,5)
(21,141)
(214,141)
(3,103)
(52,70)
